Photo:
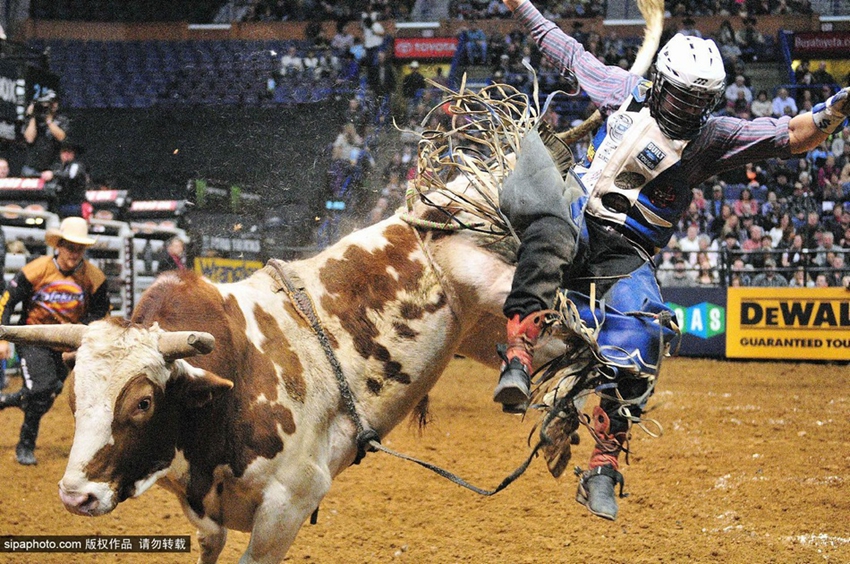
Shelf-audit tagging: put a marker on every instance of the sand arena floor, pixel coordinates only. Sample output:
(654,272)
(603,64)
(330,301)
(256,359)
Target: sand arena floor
(753,467)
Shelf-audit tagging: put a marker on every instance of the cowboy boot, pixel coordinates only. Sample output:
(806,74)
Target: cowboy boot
(26,444)
(35,406)
(596,486)
(10,400)
(514,388)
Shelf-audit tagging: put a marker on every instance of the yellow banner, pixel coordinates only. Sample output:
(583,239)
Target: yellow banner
(226,270)
(788,323)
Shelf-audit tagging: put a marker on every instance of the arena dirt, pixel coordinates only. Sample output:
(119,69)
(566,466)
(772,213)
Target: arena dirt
(753,467)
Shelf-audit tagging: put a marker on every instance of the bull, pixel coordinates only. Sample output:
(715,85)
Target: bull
(225,395)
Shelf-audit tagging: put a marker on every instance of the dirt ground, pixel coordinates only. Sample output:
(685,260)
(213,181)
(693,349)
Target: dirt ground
(753,466)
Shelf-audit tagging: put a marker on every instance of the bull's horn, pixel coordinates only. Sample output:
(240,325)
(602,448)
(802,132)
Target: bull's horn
(180,344)
(65,335)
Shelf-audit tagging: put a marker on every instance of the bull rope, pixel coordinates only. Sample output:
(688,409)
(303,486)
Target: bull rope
(367,438)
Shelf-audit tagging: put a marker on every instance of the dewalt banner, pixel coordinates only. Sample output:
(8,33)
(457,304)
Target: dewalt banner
(788,323)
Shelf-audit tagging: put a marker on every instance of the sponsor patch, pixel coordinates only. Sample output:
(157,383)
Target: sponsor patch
(651,156)
(618,124)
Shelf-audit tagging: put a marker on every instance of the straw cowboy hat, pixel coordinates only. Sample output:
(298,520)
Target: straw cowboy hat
(72,229)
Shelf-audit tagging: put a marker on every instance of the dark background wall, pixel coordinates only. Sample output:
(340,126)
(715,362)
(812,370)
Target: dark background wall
(279,153)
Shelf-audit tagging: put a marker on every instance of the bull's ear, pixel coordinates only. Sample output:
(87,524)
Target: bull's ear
(197,386)
(69,358)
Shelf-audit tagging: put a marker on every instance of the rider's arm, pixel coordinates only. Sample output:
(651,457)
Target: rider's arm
(808,130)
(606,85)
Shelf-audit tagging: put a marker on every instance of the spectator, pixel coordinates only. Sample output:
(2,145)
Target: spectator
(741,271)
(783,104)
(761,106)
(349,71)
(382,77)
(356,114)
(821,281)
(796,255)
(83,298)
(682,276)
(347,145)
(665,268)
(811,231)
(291,64)
(725,34)
(413,84)
(803,73)
(689,244)
(4,168)
(838,222)
(45,129)
(174,256)
(311,64)
(781,232)
(342,41)
(753,240)
(827,245)
(780,184)
(688,28)
(476,46)
(771,211)
(750,40)
(328,65)
(822,76)
(358,50)
(729,49)
(373,36)
(71,181)
(801,204)
(825,173)
(714,208)
(801,279)
(733,89)
(706,272)
(835,276)
(769,277)
(745,205)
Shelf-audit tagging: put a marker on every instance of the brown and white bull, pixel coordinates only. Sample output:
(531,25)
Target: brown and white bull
(250,435)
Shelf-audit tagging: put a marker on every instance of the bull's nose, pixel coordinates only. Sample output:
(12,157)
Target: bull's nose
(79,503)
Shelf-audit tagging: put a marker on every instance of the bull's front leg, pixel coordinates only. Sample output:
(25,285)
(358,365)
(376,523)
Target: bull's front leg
(286,505)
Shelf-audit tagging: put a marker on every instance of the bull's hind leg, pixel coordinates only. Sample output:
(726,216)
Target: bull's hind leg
(211,539)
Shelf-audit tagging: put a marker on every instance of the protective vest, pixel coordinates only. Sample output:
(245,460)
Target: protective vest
(632,174)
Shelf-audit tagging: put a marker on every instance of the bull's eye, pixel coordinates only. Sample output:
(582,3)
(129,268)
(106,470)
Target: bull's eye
(144,404)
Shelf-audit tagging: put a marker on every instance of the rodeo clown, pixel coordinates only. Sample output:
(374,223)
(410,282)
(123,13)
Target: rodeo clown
(62,288)
(658,140)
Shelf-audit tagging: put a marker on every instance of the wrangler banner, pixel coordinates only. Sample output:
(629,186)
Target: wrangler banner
(788,323)
(223,270)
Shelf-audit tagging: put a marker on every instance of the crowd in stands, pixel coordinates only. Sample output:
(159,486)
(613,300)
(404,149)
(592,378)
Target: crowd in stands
(783,222)
(568,9)
(312,10)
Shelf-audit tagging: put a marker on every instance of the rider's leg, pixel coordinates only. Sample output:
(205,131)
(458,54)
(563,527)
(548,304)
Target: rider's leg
(542,208)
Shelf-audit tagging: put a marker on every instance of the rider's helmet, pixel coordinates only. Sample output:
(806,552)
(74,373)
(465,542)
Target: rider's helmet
(688,82)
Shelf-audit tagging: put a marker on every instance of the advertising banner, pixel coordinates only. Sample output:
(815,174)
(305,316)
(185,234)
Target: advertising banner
(701,315)
(425,47)
(223,270)
(821,44)
(788,323)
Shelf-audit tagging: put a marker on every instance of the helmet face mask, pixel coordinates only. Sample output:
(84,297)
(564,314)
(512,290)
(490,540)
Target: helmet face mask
(689,80)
